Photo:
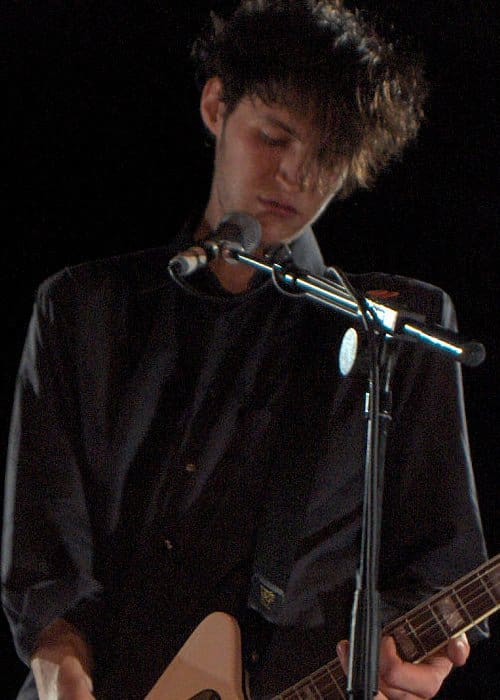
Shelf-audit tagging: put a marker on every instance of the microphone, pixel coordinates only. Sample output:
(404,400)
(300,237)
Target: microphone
(237,232)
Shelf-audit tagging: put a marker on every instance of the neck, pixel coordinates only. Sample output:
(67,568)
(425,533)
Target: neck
(234,278)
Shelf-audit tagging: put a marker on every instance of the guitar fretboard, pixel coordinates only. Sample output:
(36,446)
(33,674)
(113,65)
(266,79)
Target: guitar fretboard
(420,632)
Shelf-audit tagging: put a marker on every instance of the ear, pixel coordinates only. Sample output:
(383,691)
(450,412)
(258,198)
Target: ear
(212,107)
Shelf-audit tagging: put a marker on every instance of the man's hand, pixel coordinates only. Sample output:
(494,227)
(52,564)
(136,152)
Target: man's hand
(400,680)
(61,664)
(65,680)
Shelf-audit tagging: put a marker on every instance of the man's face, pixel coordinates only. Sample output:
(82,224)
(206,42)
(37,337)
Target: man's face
(266,165)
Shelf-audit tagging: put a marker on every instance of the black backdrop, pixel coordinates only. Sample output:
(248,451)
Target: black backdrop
(105,154)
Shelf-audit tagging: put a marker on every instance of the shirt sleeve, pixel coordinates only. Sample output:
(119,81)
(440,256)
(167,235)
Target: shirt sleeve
(431,532)
(47,537)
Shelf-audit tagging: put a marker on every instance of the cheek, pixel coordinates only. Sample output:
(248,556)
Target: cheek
(252,160)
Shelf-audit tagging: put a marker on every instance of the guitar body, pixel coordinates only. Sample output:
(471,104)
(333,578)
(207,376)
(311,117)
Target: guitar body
(208,667)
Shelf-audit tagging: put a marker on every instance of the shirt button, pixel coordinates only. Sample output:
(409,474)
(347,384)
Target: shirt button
(190,467)
(168,543)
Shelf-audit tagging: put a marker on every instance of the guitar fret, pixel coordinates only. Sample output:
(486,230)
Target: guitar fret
(478,598)
(492,589)
(338,680)
(408,642)
(315,687)
(292,692)
(327,682)
(305,693)
(324,684)
(475,588)
(482,601)
(449,615)
(339,688)
(450,604)
(493,577)
(308,692)
(485,579)
(460,603)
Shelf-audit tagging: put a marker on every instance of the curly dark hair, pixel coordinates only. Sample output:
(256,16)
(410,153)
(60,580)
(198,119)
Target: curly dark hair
(364,96)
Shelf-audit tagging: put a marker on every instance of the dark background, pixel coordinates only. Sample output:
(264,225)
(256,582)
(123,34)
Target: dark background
(104,154)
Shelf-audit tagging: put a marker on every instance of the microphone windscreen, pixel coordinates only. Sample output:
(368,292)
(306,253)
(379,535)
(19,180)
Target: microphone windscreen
(241,228)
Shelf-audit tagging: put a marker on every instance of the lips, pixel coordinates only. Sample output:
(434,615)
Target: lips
(278,206)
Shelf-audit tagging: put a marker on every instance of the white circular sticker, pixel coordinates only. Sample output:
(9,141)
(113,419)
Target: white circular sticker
(348,351)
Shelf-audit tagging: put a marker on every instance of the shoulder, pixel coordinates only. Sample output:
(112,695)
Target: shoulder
(114,278)
(407,293)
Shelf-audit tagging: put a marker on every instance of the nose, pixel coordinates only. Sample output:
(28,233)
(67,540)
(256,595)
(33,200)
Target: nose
(294,171)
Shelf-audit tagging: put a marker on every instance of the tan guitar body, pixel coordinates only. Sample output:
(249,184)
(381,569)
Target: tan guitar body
(208,666)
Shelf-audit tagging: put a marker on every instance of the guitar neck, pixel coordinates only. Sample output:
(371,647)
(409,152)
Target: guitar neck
(420,632)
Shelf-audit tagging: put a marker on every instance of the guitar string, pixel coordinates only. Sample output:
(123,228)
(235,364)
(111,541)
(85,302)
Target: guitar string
(320,689)
(483,590)
(326,672)
(325,694)
(298,694)
(337,683)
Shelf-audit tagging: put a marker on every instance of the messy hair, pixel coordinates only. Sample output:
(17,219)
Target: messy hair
(364,96)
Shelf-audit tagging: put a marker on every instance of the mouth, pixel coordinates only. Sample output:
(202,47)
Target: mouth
(278,207)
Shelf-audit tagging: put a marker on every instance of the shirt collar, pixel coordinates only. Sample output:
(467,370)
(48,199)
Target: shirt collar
(305,250)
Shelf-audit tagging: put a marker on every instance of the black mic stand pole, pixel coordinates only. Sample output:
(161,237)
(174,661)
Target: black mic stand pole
(362,676)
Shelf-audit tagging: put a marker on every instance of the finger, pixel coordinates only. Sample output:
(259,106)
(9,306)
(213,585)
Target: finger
(388,693)
(421,680)
(77,692)
(400,680)
(384,693)
(458,650)
(74,686)
(395,694)
(343,654)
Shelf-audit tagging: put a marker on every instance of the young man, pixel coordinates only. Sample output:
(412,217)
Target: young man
(157,428)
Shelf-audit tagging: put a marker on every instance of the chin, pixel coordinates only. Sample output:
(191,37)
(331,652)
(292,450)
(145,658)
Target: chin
(285,240)
(273,236)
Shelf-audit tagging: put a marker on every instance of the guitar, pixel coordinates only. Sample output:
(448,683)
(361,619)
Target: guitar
(208,667)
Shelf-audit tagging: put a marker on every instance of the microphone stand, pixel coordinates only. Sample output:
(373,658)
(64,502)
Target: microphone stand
(382,325)
(397,323)
(362,676)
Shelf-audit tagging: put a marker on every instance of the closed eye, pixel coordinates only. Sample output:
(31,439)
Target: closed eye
(273,140)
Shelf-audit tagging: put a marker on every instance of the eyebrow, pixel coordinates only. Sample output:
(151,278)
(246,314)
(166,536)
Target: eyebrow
(282,125)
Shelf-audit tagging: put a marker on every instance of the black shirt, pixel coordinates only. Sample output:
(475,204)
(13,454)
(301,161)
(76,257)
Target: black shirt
(105,373)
